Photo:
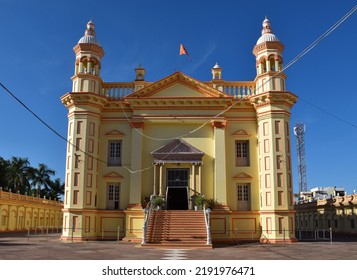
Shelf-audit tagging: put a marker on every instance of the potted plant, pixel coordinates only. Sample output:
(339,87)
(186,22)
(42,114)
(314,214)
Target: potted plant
(200,200)
(158,202)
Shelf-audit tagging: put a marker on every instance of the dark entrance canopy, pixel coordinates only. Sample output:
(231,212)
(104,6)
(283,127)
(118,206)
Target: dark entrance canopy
(177,151)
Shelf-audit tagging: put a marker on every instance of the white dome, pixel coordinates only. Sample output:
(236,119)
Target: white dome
(267,37)
(216,66)
(88,39)
(267,33)
(89,35)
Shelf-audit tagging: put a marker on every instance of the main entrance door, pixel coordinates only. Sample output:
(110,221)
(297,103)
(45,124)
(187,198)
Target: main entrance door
(177,189)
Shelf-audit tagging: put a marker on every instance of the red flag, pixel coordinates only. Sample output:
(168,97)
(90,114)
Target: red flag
(183,50)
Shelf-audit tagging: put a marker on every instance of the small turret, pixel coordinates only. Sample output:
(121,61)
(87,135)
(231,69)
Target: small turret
(269,62)
(88,62)
(217,77)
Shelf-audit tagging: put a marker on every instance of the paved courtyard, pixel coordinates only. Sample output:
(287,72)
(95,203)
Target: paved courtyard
(41,248)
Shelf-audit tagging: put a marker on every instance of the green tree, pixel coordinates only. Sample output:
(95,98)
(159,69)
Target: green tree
(41,176)
(56,189)
(17,174)
(4,165)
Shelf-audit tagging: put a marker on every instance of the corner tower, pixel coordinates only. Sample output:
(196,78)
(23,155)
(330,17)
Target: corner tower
(84,106)
(269,62)
(272,104)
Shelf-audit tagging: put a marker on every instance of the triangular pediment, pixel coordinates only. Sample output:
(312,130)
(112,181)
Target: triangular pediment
(177,85)
(242,176)
(114,175)
(177,151)
(114,133)
(241,133)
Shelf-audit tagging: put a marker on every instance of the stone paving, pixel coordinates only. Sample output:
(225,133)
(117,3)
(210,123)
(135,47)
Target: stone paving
(20,248)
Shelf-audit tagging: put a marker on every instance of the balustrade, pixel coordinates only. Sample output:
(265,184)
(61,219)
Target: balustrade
(117,90)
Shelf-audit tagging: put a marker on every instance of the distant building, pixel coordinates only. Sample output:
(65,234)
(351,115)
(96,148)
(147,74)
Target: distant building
(325,208)
(175,138)
(22,212)
(321,193)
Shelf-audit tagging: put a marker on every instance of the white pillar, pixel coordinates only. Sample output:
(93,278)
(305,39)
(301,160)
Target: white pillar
(160,180)
(80,67)
(200,178)
(276,65)
(193,178)
(154,188)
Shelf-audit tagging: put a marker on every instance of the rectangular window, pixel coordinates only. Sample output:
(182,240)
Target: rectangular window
(280,180)
(352,223)
(277,127)
(278,162)
(90,146)
(91,129)
(76,179)
(75,223)
(114,153)
(78,144)
(280,198)
(278,144)
(281,228)
(243,197)
(79,127)
(242,153)
(113,196)
(77,160)
(75,197)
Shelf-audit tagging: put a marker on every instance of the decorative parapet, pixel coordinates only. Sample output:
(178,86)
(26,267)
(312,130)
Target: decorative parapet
(20,197)
(354,199)
(337,201)
(236,89)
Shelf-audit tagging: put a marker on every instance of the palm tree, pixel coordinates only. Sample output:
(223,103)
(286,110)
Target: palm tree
(17,174)
(56,189)
(4,165)
(41,176)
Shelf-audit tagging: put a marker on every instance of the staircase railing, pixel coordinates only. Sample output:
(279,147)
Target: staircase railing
(207,213)
(147,213)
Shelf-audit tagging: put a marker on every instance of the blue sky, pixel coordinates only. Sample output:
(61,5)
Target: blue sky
(37,40)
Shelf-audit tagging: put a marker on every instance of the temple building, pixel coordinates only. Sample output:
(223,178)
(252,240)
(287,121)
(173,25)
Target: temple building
(178,138)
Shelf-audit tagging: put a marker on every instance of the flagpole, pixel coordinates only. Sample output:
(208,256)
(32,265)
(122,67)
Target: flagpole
(179,67)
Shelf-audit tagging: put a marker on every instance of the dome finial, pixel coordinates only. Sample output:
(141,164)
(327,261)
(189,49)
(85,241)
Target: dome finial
(89,34)
(267,32)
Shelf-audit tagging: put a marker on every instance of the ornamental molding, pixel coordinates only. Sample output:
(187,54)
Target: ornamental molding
(115,133)
(274,98)
(242,177)
(113,175)
(241,133)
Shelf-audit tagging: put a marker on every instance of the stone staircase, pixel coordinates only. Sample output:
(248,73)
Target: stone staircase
(177,229)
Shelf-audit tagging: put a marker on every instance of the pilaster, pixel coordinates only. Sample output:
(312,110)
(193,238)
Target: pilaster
(220,177)
(136,165)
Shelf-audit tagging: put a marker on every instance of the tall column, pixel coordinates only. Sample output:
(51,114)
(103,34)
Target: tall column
(193,178)
(136,164)
(154,188)
(200,178)
(220,180)
(160,179)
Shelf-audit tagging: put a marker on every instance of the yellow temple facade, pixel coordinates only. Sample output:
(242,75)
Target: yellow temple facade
(176,138)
